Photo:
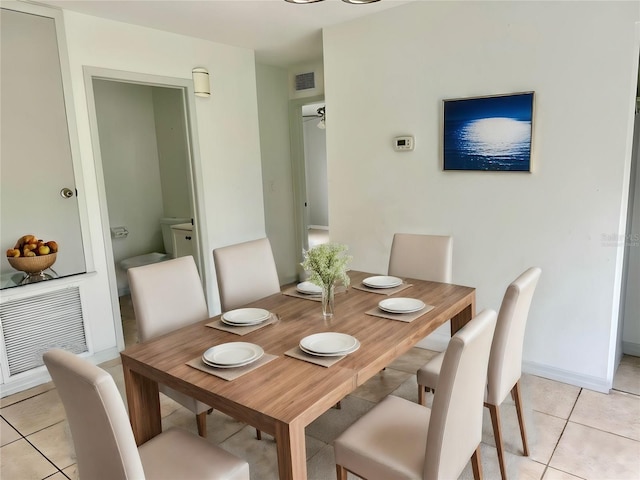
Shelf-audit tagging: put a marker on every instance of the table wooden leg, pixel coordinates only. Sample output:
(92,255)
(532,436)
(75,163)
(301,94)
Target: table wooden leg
(462,318)
(144,405)
(292,457)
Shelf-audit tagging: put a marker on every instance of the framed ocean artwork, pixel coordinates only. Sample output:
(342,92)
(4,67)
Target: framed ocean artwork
(490,133)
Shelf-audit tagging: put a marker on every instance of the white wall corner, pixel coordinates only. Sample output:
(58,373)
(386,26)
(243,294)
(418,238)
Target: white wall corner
(631,348)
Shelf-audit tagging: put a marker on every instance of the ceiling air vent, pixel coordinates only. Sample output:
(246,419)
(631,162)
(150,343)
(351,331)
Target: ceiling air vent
(305,81)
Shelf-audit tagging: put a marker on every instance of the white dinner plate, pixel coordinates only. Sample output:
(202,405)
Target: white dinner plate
(214,365)
(401,305)
(382,281)
(309,288)
(245,316)
(346,352)
(243,324)
(328,343)
(232,354)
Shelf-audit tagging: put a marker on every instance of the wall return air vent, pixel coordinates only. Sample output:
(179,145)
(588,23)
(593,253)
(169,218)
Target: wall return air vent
(33,325)
(305,81)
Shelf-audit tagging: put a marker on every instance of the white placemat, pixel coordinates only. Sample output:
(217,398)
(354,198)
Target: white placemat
(230,373)
(322,361)
(220,325)
(402,317)
(383,291)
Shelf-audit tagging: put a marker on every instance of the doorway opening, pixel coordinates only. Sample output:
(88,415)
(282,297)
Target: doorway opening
(315,167)
(143,138)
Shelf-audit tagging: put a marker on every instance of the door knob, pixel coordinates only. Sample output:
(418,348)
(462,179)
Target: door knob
(66,193)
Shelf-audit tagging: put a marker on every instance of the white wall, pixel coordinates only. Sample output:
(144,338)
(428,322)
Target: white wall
(631,329)
(387,74)
(315,157)
(130,164)
(173,151)
(228,139)
(273,104)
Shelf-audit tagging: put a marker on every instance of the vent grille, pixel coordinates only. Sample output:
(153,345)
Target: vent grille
(33,325)
(305,81)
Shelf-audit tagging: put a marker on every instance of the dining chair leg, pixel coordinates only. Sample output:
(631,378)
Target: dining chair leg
(201,420)
(497,433)
(517,397)
(341,472)
(421,390)
(258,434)
(476,464)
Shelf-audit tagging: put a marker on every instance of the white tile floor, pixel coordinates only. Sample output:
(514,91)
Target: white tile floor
(573,433)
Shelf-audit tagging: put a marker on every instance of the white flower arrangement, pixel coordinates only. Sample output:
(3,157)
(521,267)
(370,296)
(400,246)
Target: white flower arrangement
(326,264)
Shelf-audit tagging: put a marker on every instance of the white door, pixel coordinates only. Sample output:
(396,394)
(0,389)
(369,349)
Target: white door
(35,156)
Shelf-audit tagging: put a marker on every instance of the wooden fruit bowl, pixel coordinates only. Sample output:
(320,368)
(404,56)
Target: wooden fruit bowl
(32,264)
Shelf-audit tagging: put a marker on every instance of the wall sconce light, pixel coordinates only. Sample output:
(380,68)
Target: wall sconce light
(201,82)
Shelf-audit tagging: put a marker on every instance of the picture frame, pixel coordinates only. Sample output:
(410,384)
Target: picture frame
(489,133)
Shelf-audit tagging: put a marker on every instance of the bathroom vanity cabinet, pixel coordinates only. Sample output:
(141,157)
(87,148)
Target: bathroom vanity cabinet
(183,239)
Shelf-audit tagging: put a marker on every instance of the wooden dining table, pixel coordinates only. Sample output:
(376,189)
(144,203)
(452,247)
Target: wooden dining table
(285,395)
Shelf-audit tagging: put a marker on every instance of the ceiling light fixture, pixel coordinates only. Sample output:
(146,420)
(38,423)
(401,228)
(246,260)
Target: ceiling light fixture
(355,2)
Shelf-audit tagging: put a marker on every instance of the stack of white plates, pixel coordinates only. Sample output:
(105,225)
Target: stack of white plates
(401,305)
(233,354)
(329,344)
(309,288)
(243,317)
(382,281)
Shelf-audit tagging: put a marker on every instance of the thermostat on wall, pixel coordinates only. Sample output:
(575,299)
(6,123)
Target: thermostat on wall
(403,144)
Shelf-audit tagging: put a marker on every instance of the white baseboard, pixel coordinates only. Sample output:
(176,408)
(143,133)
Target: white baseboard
(439,343)
(40,375)
(630,348)
(565,376)
(36,377)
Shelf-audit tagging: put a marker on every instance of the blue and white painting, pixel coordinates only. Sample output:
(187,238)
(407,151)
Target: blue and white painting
(488,133)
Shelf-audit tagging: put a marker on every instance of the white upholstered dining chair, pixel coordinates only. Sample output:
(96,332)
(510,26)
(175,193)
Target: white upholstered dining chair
(104,444)
(167,296)
(505,361)
(246,272)
(399,439)
(424,257)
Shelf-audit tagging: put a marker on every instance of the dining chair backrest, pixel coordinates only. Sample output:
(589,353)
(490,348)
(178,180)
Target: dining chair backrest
(246,272)
(102,436)
(455,427)
(166,296)
(423,257)
(505,361)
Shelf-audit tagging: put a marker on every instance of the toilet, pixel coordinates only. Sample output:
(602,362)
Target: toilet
(149,258)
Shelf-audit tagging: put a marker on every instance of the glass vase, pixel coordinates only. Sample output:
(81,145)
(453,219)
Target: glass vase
(328,300)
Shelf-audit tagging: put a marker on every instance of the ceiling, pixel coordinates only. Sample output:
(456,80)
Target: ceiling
(281,33)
